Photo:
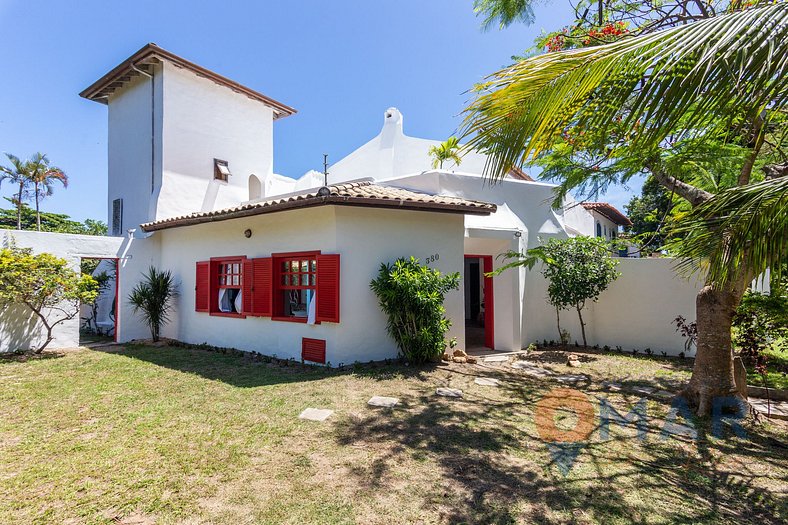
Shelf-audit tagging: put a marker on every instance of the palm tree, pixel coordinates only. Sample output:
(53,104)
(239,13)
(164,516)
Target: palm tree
(694,80)
(448,150)
(740,228)
(153,297)
(19,175)
(43,176)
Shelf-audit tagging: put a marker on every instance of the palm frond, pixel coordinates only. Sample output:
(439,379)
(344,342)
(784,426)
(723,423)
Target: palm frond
(739,230)
(688,79)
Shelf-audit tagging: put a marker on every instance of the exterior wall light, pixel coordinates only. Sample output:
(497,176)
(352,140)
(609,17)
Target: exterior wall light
(247,233)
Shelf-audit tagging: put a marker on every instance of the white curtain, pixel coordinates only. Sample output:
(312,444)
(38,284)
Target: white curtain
(310,318)
(223,307)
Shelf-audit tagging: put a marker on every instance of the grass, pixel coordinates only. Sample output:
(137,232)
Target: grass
(172,435)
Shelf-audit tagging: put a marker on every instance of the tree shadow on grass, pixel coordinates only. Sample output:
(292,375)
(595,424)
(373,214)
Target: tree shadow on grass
(247,370)
(494,468)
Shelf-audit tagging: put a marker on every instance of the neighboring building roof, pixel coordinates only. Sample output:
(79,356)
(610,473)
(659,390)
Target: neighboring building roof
(359,193)
(609,211)
(100,90)
(393,154)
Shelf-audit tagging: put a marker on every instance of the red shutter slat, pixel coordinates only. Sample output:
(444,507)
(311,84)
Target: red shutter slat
(262,287)
(327,288)
(247,280)
(313,350)
(202,286)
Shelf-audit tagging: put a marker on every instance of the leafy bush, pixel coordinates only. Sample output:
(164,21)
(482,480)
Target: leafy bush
(760,321)
(44,284)
(153,297)
(412,295)
(578,270)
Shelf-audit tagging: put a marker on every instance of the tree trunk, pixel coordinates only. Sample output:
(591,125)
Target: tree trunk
(713,372)
(582,326)
(558,323)
(38,213)
(19,207)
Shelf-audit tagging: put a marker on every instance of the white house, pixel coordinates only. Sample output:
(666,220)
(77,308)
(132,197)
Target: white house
(282,266)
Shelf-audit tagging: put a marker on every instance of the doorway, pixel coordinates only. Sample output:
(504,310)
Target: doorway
(98,321)
(479,302)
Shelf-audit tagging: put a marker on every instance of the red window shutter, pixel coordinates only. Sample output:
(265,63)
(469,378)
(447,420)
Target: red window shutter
(202,287)
(327,288)
(262,287)
(313,350)
(247,280)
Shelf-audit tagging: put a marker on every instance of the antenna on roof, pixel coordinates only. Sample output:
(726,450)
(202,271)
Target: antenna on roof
(325,169)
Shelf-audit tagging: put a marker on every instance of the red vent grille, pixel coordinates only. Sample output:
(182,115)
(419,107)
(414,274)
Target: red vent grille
(313,350)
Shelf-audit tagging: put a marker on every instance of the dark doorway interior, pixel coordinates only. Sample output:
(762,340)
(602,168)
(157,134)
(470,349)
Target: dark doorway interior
(99,321)
(478,288)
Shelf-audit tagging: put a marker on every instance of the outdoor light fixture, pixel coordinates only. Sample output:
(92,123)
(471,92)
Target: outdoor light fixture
(247,233)
(518,234)
(131,232)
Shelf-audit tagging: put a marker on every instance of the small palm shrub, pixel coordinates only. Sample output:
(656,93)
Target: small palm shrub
(153,298)
(411,295)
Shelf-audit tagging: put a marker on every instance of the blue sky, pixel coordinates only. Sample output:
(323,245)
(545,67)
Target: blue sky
(339,63)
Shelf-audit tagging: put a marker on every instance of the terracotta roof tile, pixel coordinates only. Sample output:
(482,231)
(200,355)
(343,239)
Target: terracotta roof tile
(360,193)
(608,210)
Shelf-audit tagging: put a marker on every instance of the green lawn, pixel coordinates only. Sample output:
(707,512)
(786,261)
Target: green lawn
(171,435)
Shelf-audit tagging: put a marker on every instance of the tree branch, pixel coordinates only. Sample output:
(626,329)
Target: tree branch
(695,196)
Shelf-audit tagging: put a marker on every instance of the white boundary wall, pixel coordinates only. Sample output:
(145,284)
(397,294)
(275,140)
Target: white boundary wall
(635,312)
(18,327)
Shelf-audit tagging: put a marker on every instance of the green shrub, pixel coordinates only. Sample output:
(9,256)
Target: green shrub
(153,298)
(411,295)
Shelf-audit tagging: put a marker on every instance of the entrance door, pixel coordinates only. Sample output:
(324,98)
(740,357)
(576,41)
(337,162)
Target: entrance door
(479,299)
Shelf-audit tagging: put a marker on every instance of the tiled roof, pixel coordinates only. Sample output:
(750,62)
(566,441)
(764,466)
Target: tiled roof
(100,90)
(608,210)
(360,193)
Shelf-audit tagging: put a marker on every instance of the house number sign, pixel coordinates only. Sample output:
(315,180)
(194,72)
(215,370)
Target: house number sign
(432,258)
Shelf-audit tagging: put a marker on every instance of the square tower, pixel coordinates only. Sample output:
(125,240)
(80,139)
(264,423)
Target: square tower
(182,139)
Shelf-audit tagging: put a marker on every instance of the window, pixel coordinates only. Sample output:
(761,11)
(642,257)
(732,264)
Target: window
(296,285)
(117,217)
(221,170)
(287,286)
(229,286)
(598,230)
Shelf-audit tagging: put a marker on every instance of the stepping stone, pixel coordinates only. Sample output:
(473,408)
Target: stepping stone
(448,392)
(612,386)
(779,409)
(571,378)
(531,369)
(316,414)
(664,394)
(486,381)
(496,359)
(647,390)
(381,401)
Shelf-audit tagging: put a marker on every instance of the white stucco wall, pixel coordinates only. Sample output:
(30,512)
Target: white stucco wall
(134,150)
(202,121)
(17,327)
(366,238)
(363,237)
(530,201)
(635,312)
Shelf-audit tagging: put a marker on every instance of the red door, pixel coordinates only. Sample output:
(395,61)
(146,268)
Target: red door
(489,300)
